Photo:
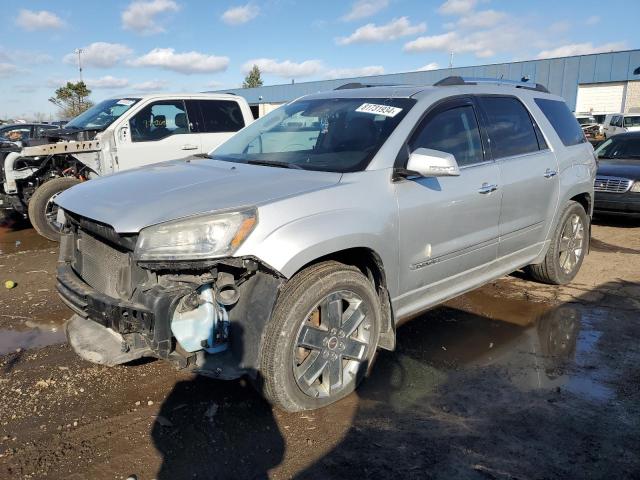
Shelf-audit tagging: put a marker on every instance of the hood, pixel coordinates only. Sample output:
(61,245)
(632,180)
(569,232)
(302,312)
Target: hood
(620,168)
(135,199)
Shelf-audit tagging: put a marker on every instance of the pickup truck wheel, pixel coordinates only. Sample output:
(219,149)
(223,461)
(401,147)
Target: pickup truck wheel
(321,339)
(43,211)
(567,250)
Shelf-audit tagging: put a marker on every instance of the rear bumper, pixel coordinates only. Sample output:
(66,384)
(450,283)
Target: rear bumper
(617,203)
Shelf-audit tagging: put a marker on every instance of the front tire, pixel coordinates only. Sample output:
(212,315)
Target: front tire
(321,339)
(43,211)
(568,248)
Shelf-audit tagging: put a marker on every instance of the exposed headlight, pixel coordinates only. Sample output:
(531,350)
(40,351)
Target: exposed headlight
(636,186)
(195,238)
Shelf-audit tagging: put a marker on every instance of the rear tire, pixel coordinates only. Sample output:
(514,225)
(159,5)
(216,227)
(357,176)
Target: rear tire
(569,245)
(321,339)
(42,210)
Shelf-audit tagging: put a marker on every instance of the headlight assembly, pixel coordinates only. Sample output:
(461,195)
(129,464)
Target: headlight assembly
(196,238)
(636,186)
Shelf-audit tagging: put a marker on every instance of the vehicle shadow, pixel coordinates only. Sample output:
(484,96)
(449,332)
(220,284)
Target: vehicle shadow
(467,396)
(209,428)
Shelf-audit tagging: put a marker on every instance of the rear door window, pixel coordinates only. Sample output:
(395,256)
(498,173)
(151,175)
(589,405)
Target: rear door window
(509,126)
(220,116)
(562,121)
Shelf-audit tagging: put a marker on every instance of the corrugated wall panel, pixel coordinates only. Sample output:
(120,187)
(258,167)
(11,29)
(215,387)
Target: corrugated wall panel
(560,75)
(603,68)
(570,81)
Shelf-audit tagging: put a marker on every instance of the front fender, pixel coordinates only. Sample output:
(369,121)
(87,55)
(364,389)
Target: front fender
(293,245)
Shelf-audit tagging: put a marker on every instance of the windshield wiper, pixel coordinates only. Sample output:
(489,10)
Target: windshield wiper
(274,163)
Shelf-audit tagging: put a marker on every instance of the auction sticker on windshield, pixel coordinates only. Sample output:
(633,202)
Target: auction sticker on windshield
(376,109)
(125,101)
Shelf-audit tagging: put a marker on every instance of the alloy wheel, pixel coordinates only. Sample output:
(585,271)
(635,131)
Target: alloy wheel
(571,243)
(332,345)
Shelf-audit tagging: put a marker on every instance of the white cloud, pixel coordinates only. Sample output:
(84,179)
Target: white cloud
(42,20)
(308,68)
(8,69)
(364,8)
(429,66)
(432,42)
(142,16)
(592,20)
(100,55)
(396,28)
(581,49)
(286,68)
(457,7)
(106,82)
(240,15)
(150,86)
(482,19)
(354,72)
(188,62)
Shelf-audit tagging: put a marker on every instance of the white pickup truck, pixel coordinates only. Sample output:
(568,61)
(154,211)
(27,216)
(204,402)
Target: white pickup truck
(116,134)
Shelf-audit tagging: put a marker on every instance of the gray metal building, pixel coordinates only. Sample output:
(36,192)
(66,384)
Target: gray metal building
(597,83)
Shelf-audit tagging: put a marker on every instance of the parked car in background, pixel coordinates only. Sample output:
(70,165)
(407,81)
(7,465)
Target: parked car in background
(115,135)
(589,125)
(617,185)
(18,133)
(291,253)
(616,123)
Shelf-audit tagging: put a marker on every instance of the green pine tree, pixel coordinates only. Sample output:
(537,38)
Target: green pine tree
(253,78)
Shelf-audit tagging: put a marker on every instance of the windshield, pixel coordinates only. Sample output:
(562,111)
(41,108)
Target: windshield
(333,135)
(102,115)
(619,147)
(586,120)
(632,121)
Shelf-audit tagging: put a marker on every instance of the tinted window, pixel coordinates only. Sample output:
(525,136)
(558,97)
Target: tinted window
(221,116)
(632,121)
(453,131)
(562,121)
(620,146)
(159,120)
(509,126)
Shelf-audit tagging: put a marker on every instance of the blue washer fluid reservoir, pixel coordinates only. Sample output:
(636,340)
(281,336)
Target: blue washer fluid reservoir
(202,327)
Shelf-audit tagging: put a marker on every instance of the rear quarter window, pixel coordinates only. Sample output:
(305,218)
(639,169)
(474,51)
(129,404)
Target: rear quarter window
(221,116)
(562,121)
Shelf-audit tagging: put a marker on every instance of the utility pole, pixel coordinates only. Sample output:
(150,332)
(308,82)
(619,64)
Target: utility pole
(451,59)
(79,51)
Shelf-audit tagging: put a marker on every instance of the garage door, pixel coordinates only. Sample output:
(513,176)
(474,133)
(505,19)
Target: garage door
(600,98)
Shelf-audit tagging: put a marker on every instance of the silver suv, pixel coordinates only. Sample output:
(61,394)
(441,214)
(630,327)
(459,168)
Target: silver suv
(292,251)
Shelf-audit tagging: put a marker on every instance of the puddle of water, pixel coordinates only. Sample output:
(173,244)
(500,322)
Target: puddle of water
(537,346)
(37,336)
(16,238)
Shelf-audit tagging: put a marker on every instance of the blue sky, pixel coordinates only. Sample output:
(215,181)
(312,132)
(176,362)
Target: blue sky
(196,45)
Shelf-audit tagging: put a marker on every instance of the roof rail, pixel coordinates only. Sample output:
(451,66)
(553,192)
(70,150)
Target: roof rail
(457,80)
(348,86)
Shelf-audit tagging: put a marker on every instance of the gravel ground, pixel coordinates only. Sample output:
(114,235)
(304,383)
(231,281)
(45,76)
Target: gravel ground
(514,380)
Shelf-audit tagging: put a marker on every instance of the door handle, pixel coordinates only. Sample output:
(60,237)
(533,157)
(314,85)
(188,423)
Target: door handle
(189,147)
(487,188)
(548,173)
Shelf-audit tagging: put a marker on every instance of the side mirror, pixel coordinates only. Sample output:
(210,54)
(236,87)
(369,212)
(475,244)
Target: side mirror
(433,163)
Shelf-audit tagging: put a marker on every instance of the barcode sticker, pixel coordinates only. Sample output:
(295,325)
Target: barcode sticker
(376,109)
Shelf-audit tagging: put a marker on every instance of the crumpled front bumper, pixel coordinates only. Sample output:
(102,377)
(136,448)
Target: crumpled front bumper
(144,323)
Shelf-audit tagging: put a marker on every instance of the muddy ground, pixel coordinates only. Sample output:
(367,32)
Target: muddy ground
(514,380)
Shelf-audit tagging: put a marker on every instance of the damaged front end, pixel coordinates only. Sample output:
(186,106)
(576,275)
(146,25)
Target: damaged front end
(207,315)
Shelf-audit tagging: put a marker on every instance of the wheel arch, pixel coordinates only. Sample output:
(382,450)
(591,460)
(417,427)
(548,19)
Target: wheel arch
(370,263)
